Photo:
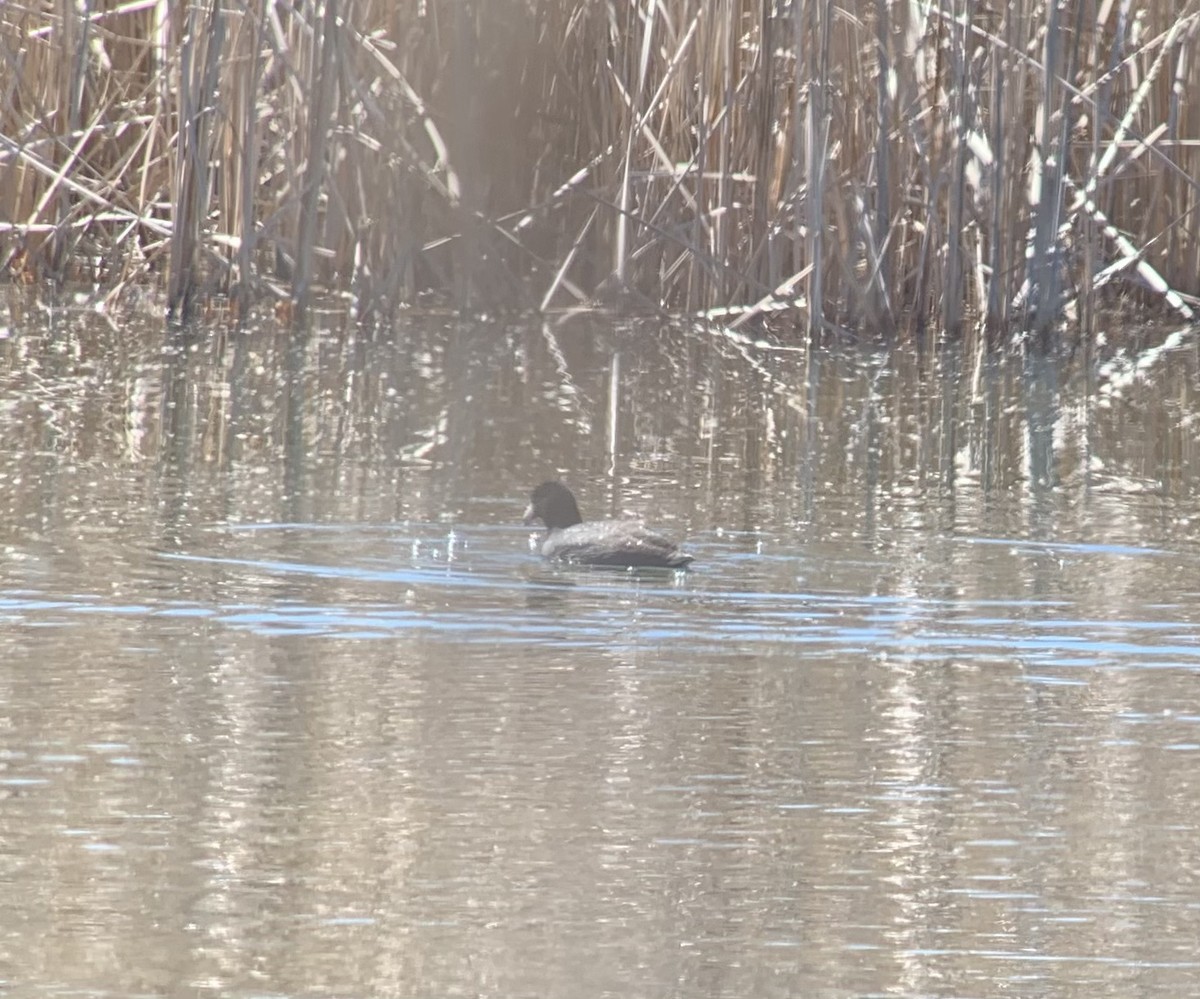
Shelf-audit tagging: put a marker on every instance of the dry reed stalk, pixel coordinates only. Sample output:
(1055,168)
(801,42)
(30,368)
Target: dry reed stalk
(202,46)
(963,118)
(621,247)
(322,84)
(880,311)
(816,27)
(243,169)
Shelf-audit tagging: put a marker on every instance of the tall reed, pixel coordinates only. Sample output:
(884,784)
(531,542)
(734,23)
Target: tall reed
(887,167)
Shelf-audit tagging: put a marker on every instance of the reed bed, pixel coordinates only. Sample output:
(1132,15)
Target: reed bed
(957,165)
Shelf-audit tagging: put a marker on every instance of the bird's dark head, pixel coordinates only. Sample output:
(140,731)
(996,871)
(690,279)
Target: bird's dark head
(553,504)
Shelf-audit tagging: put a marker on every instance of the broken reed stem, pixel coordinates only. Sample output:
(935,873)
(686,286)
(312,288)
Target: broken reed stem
(882,166)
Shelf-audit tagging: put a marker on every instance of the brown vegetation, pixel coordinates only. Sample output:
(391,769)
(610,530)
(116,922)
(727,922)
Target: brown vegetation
(873,165)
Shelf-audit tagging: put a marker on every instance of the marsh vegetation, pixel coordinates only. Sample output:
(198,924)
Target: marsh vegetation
(966,166)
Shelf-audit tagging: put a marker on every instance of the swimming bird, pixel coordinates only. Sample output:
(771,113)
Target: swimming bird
(621,543)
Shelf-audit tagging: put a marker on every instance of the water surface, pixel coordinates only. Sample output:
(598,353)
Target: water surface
(288,705)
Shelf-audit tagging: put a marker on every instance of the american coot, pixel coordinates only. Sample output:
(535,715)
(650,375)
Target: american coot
(601,542)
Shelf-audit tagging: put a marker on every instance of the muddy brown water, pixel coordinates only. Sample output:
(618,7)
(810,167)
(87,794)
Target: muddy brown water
(290,707)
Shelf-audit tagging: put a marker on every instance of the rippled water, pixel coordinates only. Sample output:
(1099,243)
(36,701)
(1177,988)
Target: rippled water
(288,705)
